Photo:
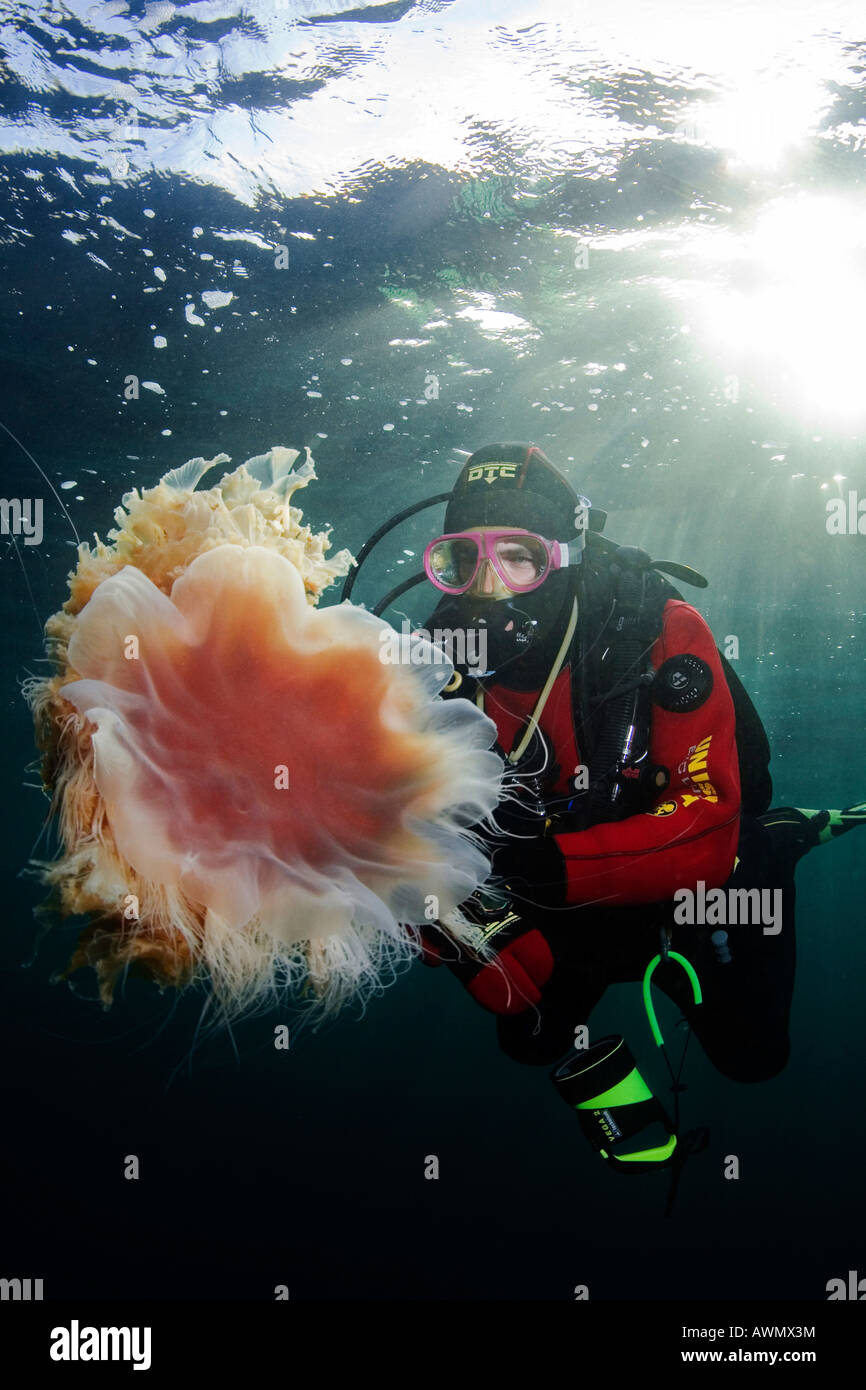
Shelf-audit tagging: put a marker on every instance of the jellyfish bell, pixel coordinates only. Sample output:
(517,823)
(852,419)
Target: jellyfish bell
(247,793)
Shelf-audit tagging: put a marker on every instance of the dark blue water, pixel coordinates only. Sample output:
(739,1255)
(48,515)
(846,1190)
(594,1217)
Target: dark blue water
(637,238)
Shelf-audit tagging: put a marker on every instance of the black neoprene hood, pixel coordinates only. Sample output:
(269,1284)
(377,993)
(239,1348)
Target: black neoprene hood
(512,485)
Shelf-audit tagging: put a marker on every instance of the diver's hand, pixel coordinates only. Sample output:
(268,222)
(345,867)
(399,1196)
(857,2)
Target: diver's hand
(533,871)
(522,961)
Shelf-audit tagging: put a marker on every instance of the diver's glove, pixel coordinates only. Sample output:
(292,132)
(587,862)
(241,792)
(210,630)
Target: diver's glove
(533,872)
(522,962)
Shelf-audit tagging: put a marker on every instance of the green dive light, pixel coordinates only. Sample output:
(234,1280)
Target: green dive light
(613,1102)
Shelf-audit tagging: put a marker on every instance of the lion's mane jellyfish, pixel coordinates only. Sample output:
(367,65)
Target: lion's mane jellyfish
(246,794)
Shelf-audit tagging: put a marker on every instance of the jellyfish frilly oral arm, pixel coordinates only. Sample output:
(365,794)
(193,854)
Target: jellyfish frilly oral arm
(162,529)
(245,793)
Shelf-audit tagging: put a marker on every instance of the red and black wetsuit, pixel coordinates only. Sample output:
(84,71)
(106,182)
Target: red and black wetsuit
(621,877)
(691,832)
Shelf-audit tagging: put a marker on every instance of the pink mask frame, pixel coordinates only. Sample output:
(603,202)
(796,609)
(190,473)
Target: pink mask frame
(486,541)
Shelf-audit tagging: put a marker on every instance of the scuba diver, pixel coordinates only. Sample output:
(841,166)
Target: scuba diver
(637,786)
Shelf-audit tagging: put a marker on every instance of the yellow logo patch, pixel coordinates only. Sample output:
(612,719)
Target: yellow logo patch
(664,808)
(489,472)
(694,773)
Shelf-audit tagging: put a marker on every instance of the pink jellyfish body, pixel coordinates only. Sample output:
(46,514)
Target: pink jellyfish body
(247,793)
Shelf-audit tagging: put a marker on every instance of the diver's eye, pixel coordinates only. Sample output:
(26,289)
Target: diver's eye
(522,563)
(515,555)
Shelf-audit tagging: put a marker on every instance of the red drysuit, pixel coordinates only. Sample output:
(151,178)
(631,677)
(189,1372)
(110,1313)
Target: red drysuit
(691,833)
